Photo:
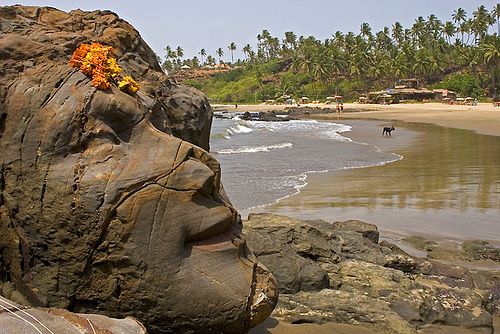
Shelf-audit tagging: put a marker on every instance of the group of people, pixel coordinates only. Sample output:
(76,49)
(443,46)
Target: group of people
(340,107)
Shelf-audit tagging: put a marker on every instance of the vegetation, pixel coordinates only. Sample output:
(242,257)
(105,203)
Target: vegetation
(459,54)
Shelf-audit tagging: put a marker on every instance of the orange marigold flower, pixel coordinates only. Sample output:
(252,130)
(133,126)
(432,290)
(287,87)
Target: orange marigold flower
(97,61)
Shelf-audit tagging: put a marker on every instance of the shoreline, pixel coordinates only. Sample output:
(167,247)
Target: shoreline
(483,118)
(419,195)
(317,201)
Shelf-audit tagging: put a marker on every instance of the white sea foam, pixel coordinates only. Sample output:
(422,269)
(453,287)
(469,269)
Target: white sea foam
(323,130)
(240,128)
(255,149)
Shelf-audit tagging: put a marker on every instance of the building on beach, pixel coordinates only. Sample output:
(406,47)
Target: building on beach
(404,90)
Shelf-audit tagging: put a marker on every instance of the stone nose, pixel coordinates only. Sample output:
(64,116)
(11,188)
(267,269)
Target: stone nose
(264,296)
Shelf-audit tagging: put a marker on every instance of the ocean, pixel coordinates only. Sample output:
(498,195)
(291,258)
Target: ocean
(264,162)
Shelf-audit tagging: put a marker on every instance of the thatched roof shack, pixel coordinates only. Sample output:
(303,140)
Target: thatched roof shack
(402,94)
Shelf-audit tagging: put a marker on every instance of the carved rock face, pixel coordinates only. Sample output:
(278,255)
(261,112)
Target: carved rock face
(102,209)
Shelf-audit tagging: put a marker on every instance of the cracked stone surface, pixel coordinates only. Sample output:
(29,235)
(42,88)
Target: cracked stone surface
(110,203)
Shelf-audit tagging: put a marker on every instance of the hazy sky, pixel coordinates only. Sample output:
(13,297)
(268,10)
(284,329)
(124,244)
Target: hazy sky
(196,24)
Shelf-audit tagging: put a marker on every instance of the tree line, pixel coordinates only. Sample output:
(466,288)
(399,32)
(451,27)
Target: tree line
(429,50)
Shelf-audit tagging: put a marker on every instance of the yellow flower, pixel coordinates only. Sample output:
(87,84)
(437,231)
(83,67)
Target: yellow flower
(128,85)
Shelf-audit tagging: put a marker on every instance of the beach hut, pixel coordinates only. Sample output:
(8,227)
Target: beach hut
(304,99)
(385,98)
(329,99)
(363,99)
(185,67)
(470,101)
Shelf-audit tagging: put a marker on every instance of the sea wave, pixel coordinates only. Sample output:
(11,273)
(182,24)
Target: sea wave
(227,133)
(255,149)
(311,128)
(240,128)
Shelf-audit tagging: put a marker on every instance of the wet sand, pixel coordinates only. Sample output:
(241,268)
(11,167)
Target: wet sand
(274,326)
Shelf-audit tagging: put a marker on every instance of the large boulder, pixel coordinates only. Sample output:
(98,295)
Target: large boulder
(103,205)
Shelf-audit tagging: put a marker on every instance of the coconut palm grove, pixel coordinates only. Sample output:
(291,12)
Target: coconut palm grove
(460,53)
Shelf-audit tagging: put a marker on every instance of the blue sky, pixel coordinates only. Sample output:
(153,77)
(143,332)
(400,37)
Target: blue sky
(196,24)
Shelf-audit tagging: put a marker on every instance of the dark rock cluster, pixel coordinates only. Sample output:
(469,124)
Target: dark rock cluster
(341,273)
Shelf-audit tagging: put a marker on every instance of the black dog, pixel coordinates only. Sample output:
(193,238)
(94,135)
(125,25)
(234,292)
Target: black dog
(387,131)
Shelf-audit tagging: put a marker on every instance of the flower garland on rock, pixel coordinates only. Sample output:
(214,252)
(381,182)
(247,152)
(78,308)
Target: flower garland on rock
(96,61)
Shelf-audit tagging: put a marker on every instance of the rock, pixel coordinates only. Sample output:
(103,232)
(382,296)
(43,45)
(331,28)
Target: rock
(342,307)
(103,205)
(291,254)
(18,298)
(369,231)
(15,318)
(7,289)
(266,116)
(481,250)
(377,285)
(419,242)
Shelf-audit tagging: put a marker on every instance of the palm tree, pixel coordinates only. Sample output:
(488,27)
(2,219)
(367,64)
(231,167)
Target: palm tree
(458,16)
(180,52)
(246,50)
(170,54)
(168,51)
(397,32)
(466,28)
(210,60)
(421,65)
(449,30)
(417,30)
(219,52)
(495,13)
(490,50)
(366,31)
(231,48)
(290,40)
(203,53)
(481,21)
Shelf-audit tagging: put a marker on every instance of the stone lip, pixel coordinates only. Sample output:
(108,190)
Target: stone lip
(110,203)
(337,273)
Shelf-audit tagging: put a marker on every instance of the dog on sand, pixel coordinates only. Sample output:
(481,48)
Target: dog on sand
(387,130)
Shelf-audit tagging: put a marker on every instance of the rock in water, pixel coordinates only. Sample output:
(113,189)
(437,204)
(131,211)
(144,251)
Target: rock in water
(103,205)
